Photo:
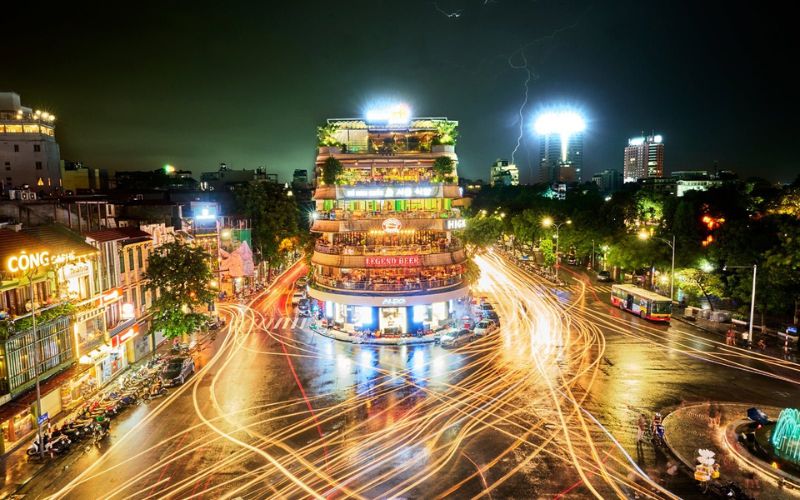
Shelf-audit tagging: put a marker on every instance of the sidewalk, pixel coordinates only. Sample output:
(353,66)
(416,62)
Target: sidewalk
(688,429)
(18,469)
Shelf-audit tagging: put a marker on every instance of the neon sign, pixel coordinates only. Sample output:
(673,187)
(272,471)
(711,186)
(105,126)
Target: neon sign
(392,226)
(456,224)
(394,302)
(393,261)
(390,192)
(30,261)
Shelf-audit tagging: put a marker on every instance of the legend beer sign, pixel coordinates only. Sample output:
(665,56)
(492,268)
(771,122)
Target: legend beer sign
(393,261)
(24,261)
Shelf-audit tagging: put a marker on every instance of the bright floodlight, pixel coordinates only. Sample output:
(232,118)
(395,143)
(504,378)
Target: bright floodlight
(395,114)
(561,122)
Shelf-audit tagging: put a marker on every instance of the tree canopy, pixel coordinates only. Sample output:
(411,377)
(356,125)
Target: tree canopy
(179,276)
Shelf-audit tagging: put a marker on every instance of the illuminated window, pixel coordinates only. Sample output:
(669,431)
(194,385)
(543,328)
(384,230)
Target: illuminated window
(31,129)
(13,129)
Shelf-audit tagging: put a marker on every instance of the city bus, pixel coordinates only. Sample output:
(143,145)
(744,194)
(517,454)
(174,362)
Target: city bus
(641,302)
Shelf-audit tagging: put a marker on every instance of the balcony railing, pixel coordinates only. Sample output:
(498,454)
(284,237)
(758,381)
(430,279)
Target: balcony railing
(407,214)
(407,285)
(386,250)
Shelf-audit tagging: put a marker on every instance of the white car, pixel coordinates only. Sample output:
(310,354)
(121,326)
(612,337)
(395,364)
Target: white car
(485,327)
(456,338)
(297,295)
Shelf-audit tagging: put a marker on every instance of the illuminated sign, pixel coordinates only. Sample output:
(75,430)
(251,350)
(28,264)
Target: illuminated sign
(395,114)
(393,261)
(394,302)
(392,225)
(128,311)
(389,192)
(126,335)
(30,261)
(111,296)
(456,224)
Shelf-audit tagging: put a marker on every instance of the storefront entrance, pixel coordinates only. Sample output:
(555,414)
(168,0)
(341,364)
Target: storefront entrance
(393,320)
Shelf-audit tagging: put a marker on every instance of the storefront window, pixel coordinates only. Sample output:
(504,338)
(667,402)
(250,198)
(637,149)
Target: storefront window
(393,320)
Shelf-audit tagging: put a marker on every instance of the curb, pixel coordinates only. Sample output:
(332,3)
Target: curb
(351,340)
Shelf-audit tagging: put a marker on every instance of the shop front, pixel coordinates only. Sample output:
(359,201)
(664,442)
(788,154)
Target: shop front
(395,319)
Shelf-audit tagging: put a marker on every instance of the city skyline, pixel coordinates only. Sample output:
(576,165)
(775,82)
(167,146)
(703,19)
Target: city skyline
(194,92)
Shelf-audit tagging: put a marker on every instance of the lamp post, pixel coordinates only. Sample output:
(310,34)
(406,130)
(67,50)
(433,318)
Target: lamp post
(752,300)
(36,363)
(604,248)
(644,235)
(549,222)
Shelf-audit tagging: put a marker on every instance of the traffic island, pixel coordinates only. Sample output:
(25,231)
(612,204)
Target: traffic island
(689,428)
(335,334)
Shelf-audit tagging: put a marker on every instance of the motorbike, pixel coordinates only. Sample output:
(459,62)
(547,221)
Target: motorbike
(726,489)
(658,435)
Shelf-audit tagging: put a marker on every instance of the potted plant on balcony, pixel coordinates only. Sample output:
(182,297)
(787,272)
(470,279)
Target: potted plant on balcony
(443,169)
(326,139)
(445,139)
(331,171)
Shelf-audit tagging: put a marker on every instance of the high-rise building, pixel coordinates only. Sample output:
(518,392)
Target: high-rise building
(644,157)
(300,178)
(609,181)
(385,260)
(560,147)
(29,154)
(503,173)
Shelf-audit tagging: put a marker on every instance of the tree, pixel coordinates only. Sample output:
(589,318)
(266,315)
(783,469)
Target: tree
(443,169)
(548,251)
(446,133)
(472,272)
(695,282)
(273,215)
(481,232)
(331,170)
(181,274)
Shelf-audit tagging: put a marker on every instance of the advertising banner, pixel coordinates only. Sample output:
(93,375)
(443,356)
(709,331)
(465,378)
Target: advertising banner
(393,261)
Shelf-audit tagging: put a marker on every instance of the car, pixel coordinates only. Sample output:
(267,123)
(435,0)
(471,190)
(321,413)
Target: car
(485,327)
(178,369)
(302,282)
(790,333)
(604,276)
(492,316)
(304,307)
(571,260)
(297,296)
(456,338)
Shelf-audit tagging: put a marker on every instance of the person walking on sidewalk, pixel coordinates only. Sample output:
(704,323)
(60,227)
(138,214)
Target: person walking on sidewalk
(641,427)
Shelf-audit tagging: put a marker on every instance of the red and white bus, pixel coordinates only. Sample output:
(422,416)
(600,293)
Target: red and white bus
(641,302)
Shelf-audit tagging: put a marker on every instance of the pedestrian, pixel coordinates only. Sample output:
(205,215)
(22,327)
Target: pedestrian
(728,336)
(642,427)
(762,344)
(720,414)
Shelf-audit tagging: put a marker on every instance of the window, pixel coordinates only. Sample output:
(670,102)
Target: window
(130,259)
(38,165)
(122,262)
(135,300)
(139,255)
(37,148)
(16,148)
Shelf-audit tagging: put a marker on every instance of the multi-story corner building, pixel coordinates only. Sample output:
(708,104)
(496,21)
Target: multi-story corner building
(29,153)
(48,271)
(644,157)
(385,259)
(503,173)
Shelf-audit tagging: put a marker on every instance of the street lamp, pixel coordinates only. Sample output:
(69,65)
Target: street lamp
(604,248)
(752,300)
(644,235)
(549,222)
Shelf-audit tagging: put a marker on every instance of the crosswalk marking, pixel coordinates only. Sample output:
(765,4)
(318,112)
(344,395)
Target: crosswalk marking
(286,322)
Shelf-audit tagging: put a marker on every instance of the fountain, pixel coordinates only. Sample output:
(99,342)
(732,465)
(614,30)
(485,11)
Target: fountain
(785,437)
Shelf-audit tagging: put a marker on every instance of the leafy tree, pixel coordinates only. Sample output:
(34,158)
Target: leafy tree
(181,274)
(273,216)
(443,169)
(696,282)
(548,250)
(331,170)
(481,232)
(472,272)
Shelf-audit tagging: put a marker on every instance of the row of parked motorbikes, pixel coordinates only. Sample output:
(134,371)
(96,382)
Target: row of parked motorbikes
(91,421)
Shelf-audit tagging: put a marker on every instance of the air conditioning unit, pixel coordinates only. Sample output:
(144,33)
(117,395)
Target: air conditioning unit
(27,196)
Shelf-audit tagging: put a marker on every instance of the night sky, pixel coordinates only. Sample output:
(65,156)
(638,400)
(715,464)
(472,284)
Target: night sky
(196,83)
